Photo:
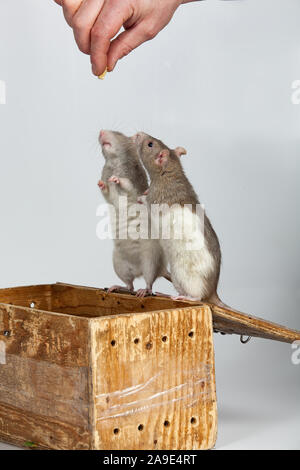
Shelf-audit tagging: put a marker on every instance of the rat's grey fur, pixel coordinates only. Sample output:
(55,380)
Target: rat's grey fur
(169,185)
(131,258)
(124,162)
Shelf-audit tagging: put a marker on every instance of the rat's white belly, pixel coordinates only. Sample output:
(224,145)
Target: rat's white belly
(190,260)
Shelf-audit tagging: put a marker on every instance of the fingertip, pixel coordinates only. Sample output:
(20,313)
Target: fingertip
(98,70)
(111,65)
(99,63)
(113,56)
(95,72)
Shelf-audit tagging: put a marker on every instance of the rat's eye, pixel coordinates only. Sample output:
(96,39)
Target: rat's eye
(150,144)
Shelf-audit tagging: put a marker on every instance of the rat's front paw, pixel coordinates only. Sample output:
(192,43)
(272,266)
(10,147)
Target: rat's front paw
(102,185)
(114,179)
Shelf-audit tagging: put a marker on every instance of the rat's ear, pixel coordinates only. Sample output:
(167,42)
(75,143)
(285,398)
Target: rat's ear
(162,157)
(180,151)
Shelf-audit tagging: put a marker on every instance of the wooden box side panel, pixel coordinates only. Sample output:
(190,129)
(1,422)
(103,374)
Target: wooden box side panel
(38,296)
(44,379)
(154,380)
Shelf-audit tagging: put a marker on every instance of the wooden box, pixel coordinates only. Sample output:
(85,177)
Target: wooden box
(83,369)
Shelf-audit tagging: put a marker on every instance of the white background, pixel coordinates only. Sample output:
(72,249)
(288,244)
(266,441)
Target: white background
(217,81)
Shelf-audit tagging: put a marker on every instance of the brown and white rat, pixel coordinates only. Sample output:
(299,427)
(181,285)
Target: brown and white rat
(124,175)
(195,257)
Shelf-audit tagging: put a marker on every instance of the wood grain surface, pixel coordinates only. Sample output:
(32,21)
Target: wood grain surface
(44,380)
(154,380)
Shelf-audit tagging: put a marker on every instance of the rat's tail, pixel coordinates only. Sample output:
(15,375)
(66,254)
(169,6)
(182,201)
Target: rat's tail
(215,299)
(166,275)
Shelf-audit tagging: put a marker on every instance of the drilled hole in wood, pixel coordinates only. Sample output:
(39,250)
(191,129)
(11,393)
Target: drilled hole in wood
(103,298)
(136,341)
(116,431)
(149,346)
(113,342)
(107,399)
(32,304)
(191,334)
(142,306)
(164,339)
(118,302)
(155,442)
(140,427)
(193,420)
(166,424)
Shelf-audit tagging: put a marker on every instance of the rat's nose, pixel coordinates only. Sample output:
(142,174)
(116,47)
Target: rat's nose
(105,138)
(102,135)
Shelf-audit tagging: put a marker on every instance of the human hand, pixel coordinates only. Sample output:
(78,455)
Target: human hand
(95,24)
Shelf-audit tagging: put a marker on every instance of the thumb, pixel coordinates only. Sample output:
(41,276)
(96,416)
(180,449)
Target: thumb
(59,2)
(127,41)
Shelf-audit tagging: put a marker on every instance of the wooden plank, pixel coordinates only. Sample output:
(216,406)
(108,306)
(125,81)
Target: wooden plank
(51,390)
(224,319)
(44,336)
(20,443)
(154,380)
(40,296)
(234,322)
(93,302)
(80,301)
(19,427)
(45,379)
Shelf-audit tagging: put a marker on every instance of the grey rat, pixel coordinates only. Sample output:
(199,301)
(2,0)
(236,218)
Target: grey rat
(195,259)
(124,175)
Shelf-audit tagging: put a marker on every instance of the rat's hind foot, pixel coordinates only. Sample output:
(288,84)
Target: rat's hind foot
(183,297)
(143,292)
(113,288)
(120,288)
(161,294)
(114,179)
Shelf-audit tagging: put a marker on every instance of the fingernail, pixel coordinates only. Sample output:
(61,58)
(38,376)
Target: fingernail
(96,70)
